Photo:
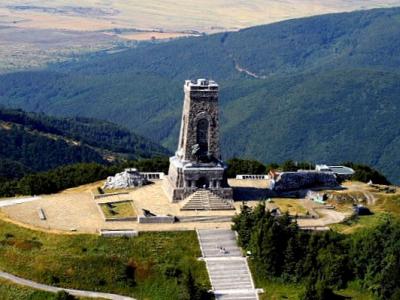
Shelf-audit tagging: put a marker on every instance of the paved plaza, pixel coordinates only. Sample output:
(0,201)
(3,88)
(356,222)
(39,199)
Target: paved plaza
(75,210)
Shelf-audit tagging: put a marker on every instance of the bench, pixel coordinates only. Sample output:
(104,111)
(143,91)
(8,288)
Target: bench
(42,215)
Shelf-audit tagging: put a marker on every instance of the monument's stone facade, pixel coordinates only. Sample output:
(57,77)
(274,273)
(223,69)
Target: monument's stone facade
(197,163)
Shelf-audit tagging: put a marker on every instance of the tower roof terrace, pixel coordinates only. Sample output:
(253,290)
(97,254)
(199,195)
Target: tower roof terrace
(201,85)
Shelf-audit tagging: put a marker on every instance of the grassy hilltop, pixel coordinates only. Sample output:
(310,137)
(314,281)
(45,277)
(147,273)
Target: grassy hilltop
(322,89)
(154,265)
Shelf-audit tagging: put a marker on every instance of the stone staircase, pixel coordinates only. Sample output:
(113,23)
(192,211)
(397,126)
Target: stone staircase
(228,270)
(205,200)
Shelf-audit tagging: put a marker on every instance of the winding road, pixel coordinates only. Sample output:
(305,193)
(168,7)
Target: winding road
(248,72)
(238,67)
(49,288)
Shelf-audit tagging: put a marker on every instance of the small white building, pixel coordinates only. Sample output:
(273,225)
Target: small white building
(340,171)
(322,168)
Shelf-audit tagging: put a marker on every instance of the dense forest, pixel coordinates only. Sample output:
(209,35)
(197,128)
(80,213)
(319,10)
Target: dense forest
(324,89)
(74,175)
(323,262)
(35,142)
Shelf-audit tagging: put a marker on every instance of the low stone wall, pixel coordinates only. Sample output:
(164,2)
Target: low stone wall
(251,177)
(114,233)
(99,196)
(156,220)
(132,219)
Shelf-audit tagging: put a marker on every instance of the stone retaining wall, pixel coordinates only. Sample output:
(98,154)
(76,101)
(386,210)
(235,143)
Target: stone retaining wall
(109,195)
(156,220)
(289,181)
(113,233)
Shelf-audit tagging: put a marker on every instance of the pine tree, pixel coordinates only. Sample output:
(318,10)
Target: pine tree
(291,259)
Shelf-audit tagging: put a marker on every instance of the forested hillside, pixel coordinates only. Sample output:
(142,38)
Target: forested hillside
(322,262)
(35,142)
(322,89)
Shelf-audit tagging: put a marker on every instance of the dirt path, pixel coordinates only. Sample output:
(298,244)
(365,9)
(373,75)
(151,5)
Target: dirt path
(246,71)
(238,67)
(52,289)
(14,201)
(327,217)
(370,197)
(322,216)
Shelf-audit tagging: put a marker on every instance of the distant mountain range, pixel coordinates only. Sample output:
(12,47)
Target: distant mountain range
(48,31)
(35,142)
(322,89)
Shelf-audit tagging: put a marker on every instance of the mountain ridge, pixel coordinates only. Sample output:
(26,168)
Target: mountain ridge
(35,142)
(328,90)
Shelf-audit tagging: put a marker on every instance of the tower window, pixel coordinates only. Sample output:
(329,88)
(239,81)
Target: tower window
(202,135)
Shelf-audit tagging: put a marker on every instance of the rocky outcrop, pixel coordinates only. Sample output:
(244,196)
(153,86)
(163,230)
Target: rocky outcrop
(290,181)
(126,179)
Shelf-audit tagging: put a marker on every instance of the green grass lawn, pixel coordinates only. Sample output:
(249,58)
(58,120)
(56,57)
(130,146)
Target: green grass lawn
(146,267)
(355,292)
(10,291)
(359,222)
(384,206)
(388,203)
(115,210)
(276,290)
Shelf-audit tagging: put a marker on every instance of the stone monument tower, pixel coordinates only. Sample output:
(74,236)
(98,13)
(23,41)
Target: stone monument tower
(197,163)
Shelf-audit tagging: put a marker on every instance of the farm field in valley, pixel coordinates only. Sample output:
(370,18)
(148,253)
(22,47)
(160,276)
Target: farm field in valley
(33,35)
(173,16)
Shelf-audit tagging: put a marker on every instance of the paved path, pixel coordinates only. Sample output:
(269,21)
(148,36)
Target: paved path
(329,217)
(228,270)
(13,201)
(48,288)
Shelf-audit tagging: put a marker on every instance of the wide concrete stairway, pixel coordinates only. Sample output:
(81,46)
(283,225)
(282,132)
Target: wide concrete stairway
(205,200)
(228,270)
